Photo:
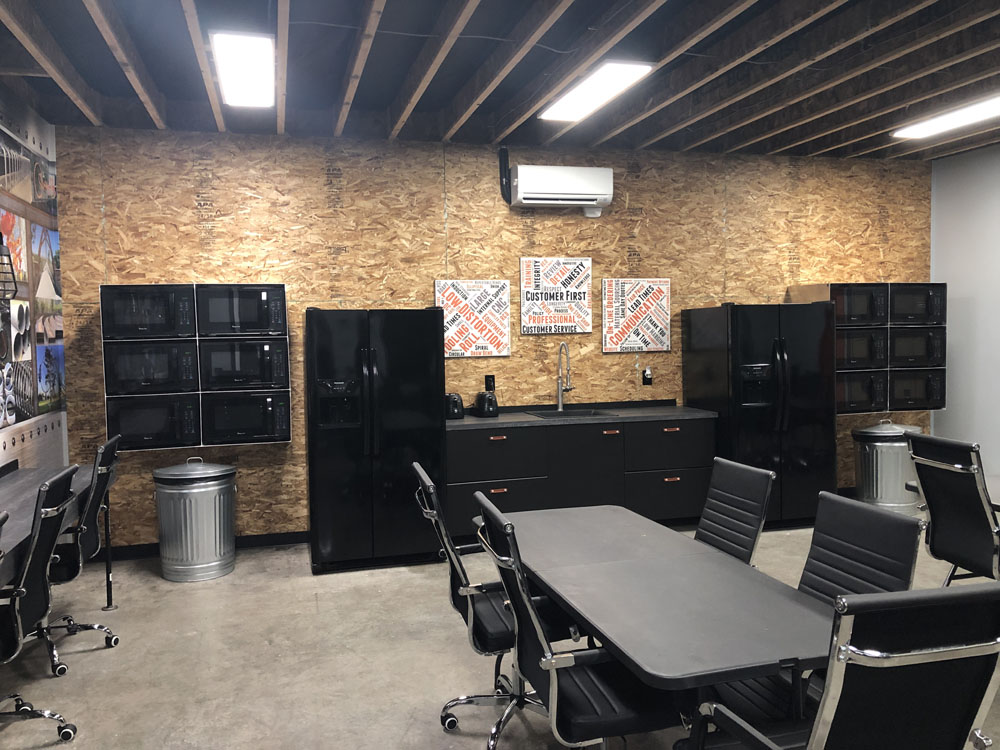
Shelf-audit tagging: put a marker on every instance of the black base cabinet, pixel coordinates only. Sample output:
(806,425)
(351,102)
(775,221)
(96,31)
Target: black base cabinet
(659,469)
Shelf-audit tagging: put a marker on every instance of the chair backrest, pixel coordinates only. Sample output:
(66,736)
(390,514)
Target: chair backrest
(963,526)
(430,506)
(10,467)
(913,669)
(733,515)
(105,466)
(859,549)
(531,644)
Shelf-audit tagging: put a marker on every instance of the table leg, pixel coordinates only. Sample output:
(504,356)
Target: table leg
(107,557)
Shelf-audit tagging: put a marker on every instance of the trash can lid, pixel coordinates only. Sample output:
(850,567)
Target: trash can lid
(885,431)
(193,470)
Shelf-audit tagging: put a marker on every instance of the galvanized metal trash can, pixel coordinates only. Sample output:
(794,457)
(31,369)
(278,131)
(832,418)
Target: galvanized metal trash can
(196,505)
(882,466)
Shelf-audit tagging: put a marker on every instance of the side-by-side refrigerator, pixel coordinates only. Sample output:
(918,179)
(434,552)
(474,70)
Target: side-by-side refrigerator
(374,405)
(768,370)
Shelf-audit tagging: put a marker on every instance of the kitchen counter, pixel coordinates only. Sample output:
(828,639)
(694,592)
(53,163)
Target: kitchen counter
(622,413)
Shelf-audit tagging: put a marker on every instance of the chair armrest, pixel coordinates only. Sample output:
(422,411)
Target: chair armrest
(480,589)
(731,724)
(468,549)
(582,657)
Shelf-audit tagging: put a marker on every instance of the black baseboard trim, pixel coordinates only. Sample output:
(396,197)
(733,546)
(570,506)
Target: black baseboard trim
(380,562)
(140,551)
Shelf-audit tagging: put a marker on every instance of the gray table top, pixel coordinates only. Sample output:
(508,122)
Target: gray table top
(18,493)
(676,612)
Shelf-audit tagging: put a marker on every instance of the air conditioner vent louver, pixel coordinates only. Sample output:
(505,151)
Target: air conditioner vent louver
(537,185)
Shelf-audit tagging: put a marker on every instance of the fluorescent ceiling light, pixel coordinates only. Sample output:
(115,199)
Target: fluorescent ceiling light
(958,118)
(594,91)
(245,66)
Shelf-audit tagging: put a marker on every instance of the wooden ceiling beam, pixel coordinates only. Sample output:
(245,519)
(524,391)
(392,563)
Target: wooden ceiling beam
(818,82)
(119,41)
(24,72)
(371,15)
(528,32)
(613,26)
(28,29)
(281,68)
(198,41)
(453,18)
(980,142)
(747,41)
(825,39)
(693,25)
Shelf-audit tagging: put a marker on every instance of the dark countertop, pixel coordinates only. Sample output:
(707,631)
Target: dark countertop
(622,413)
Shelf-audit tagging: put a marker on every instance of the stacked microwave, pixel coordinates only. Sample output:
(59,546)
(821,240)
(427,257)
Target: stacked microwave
(891,344)
(195,364)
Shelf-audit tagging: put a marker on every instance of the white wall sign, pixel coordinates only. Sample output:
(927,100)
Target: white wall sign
(636,315)
(555,295)
(476,317)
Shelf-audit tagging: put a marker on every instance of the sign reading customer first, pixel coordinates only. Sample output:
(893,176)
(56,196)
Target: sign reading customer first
(555,295)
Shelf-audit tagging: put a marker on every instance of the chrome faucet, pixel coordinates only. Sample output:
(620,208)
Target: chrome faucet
(562,387)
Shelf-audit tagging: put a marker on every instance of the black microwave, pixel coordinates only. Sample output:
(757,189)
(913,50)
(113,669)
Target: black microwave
(241,309)
(862,348)
(917,389)
(248,417)
(860,304)
(164,421)
(918,304)
(137,367)
(917,346)
(236,364)
(147,311)
(862,391)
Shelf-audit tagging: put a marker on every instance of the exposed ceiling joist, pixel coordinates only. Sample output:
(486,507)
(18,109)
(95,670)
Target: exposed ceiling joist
(281,69)
(969,145)
(695,24)
(818,82)
(501,62)
(453,18)
(28,29)
(720,57)
(198,40)
(24,72)
(616,23)
(119,41)
(828,37)
(371,15)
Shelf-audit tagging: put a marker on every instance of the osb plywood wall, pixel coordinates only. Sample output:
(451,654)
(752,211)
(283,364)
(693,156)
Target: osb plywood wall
(373,224)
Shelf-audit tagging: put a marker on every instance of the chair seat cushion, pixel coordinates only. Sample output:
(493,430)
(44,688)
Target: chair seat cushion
(787,736)
(493,624)
(606,700)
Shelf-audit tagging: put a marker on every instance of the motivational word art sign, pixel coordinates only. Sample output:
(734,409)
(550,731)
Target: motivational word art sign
(476,317)
(636,315)
(555,295)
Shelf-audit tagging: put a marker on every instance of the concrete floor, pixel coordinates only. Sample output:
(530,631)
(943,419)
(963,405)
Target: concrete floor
(273,657)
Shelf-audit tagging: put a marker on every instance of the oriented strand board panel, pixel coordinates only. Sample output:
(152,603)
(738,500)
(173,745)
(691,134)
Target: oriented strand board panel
(349,224)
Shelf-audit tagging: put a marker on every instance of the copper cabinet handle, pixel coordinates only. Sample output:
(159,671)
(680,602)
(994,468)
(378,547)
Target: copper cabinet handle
(498,437)
(671,479)
(671,429)
(612,432)
(498,491)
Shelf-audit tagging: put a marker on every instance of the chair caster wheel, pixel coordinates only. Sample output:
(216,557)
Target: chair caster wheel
(59,670)
(449,722)
(67,732)
(110,641)
(24,707)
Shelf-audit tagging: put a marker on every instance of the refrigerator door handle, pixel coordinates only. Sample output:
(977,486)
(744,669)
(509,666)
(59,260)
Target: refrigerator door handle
(786,401)
(779,403)
(376,419)
(365,395)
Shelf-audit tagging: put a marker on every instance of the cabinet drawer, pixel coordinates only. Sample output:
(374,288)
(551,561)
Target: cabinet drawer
(476,455)
(667,495)
(669,445)
(509,495)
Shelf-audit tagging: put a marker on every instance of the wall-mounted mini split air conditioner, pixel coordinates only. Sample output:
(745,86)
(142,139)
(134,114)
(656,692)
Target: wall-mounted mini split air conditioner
(591,188)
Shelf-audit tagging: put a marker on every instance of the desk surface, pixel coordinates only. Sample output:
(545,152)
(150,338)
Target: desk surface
(678,613)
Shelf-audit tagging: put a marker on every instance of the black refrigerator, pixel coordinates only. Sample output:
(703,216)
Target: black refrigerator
(768,370)
(374,404)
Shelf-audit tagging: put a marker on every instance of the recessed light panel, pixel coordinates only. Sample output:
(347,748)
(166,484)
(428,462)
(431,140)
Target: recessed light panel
(958,118)
(590,94)
(245,66)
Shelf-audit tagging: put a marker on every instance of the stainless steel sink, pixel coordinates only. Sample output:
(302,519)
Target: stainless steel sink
(571,413)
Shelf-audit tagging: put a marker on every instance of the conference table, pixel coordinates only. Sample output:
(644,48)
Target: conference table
(18,495)
(677,612)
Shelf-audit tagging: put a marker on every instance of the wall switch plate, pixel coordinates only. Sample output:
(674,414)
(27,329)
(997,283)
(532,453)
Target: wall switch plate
(647,376)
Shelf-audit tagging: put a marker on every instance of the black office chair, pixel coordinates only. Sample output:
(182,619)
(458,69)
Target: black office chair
(733,516)
(963,527)
(83,541)
(856,549)
(912,669)
(589,696)
(24,605)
